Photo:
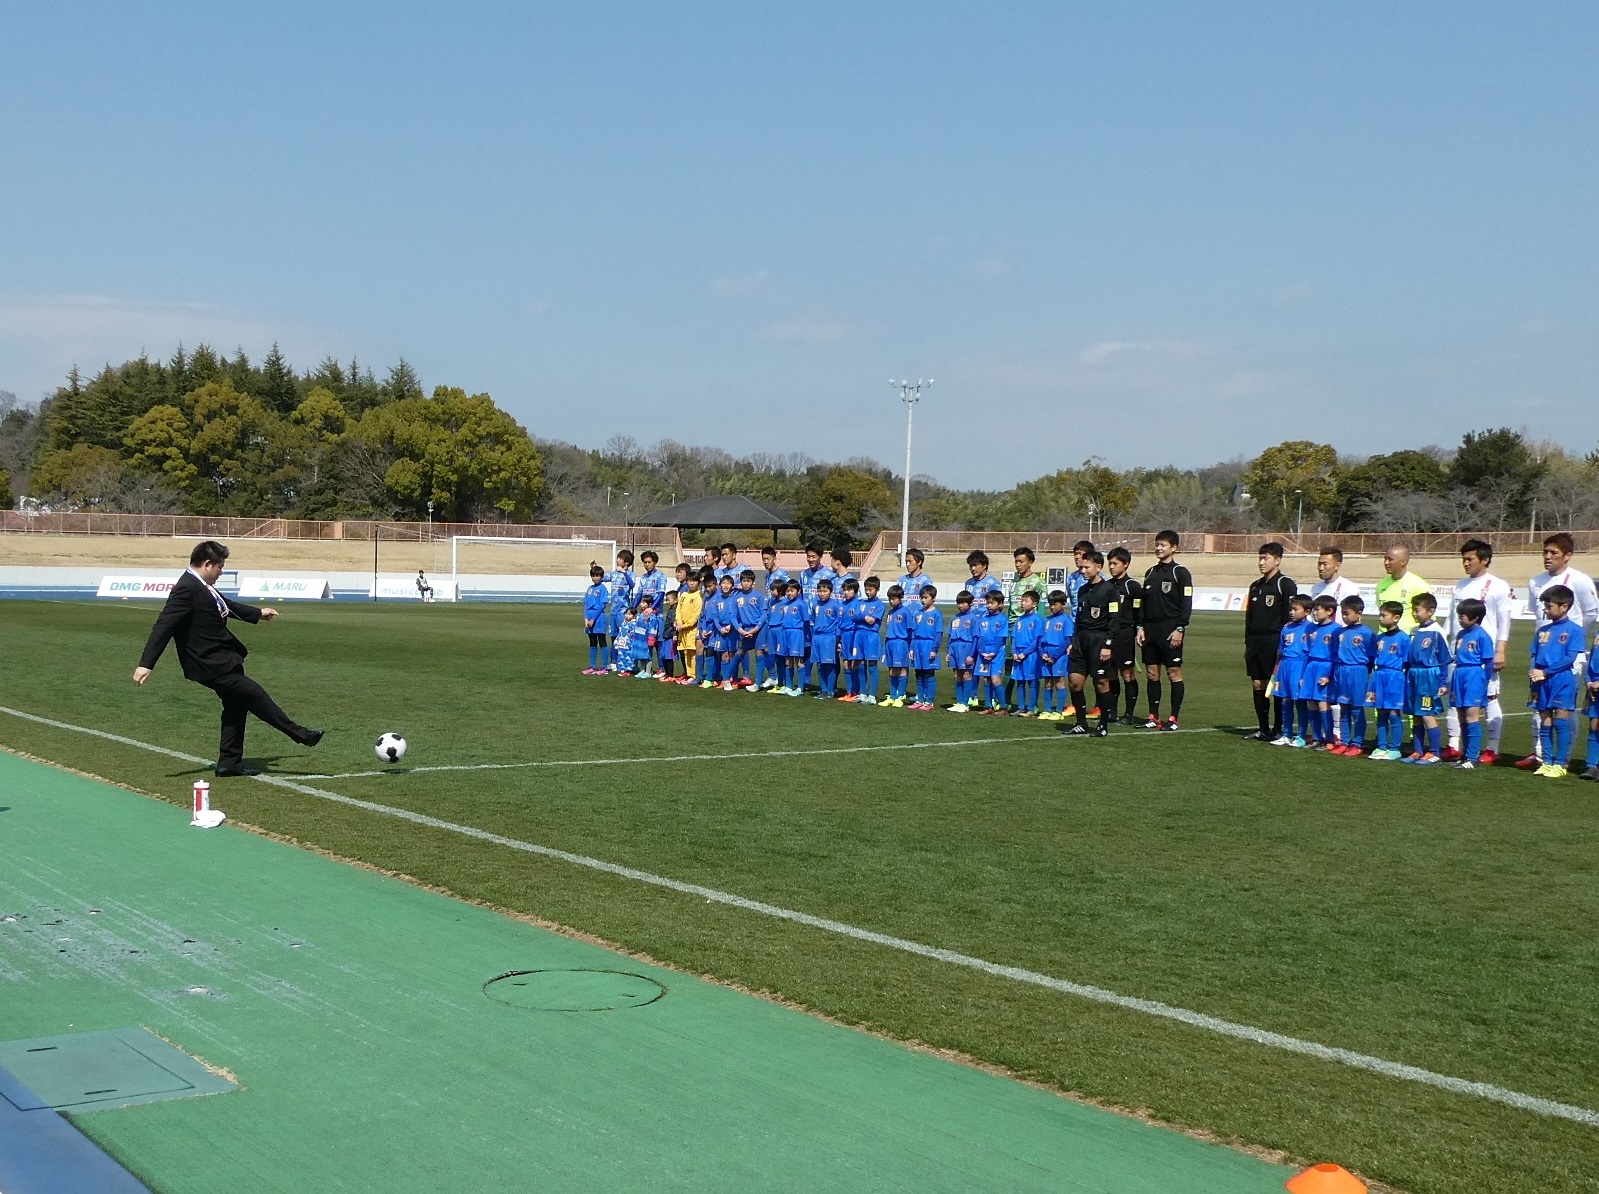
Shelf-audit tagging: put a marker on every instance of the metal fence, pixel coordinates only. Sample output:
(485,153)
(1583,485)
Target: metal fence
(191,526)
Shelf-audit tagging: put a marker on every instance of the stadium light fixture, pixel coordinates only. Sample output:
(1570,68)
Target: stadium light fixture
(910,392)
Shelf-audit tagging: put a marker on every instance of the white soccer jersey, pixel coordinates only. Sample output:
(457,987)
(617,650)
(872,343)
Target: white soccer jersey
(1493,593)
(1338,588)
(1585,611)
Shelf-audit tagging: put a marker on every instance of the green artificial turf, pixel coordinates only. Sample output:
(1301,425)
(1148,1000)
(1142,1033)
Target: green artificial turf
(1425,916)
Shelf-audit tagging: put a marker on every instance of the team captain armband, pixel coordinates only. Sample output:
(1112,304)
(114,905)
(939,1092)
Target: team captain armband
(1188,590)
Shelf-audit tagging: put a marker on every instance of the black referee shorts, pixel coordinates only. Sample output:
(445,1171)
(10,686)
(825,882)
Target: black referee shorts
(1260,655)
(1158,651)
(1083,659)
(1124,648)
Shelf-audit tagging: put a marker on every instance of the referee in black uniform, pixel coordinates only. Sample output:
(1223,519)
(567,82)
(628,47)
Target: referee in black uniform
(1098,604)
(1265,611)
(1168,608)
(1124,634)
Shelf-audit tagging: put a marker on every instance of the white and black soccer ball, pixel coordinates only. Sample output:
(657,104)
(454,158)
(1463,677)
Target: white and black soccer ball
(391,748)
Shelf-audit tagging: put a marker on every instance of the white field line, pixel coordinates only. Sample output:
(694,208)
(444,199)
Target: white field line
(1149,1007)
(752,754)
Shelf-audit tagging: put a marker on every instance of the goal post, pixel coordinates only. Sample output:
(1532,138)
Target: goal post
(523,568)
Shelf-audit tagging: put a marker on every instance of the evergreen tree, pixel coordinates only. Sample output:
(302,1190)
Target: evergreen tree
(276,389)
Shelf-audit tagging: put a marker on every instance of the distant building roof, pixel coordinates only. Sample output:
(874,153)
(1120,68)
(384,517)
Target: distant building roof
(729,511)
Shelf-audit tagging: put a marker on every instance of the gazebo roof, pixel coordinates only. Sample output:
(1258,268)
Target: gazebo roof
(734,512)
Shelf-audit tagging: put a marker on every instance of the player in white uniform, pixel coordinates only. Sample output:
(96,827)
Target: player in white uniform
(1329,568)
(1475,556)
(1557,552)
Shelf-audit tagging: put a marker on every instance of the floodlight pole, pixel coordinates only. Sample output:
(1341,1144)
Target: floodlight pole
(910,392)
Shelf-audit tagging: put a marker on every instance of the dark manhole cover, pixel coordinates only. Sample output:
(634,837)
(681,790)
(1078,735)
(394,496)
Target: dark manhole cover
(573,990)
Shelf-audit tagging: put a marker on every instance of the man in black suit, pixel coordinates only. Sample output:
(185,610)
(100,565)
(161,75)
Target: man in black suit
(196,615)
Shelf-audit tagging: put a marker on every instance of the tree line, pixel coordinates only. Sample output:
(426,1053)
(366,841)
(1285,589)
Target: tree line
(206,434)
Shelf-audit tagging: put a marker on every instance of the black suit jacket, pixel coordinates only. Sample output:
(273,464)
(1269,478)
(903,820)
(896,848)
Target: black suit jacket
(206,647)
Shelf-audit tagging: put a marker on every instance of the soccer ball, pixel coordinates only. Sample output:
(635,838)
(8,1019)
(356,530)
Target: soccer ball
(391,748)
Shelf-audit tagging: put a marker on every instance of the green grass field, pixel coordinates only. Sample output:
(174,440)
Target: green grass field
(1423,916)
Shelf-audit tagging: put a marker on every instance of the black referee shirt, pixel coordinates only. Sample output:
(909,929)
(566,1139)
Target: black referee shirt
(1098,606)
(1131,600)
(1168,596)
(1266,609)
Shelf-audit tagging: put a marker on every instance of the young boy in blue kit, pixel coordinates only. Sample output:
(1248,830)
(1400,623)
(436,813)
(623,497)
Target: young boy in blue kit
(1026,638)
(1293,646)
(791,641)
(826,622)
(1425,685)
(1468,683)
(869,613)
(771,634)
(962,656)
(1387,691)
(646,638)
(849,640)
(620,582)
(1555,648)
(993,628)
(596,614)
(896,646)
(927,632)
(1315,681)
(1054,663)
(748,618)
(1356,649)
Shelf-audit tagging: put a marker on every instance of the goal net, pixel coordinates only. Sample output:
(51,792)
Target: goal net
(510,568)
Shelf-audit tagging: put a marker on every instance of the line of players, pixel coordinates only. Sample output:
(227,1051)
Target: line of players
(1325,668)
(1013,647)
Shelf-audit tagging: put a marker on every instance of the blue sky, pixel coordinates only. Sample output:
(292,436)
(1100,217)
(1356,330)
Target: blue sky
(1152,233)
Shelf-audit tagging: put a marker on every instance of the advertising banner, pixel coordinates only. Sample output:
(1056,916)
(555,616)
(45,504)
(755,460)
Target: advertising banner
(137,586)
(305,588)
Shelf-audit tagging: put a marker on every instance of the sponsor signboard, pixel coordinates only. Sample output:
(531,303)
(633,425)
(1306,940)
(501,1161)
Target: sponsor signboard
(137,586)
(307,588)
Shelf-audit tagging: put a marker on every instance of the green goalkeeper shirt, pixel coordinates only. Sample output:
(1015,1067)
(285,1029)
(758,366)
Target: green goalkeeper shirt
(1034,583)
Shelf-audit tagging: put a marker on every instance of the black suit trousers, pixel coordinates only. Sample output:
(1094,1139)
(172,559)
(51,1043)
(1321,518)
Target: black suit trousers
(241,696)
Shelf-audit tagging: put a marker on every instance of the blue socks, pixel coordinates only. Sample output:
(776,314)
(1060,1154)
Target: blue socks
(1471,744)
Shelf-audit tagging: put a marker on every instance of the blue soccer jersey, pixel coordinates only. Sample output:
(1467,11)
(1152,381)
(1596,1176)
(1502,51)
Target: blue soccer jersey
(809,579)
(749,615)
(1429,648)
(962,652)
(620,582)
(980,588)
(776,574)
(927,632)
(992,631)
(912,583)
(596,601)
(1027,636)
(1474,660)
(1353,654)
(1555,647)
(651,583)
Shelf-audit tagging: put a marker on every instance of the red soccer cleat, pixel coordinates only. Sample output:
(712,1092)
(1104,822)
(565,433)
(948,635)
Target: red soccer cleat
(1489,757)
(1530,763)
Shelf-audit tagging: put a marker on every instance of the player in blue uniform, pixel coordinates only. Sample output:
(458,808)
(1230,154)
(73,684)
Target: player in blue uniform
(980,581)
(596,619)
(993,628)
(1077,578)
(774,574)
(646,639)
(791,641)
(1425,682)
(962,653)
(1555,648)
(811,576)
(620,582)
(896,646)
(848,640)
(1315,681)
(1054,649)
(748,618)
(927,633)
(771,635)
(1026,641)
(826,623)
(1468,683)
(869,613)
(1293,647)
(721,610)
(1386,693)
(1356,649)
(652,582)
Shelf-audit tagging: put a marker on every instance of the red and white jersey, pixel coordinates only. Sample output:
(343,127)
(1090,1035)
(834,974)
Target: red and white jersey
(1585,610)
(1493,593)
(1337,588)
